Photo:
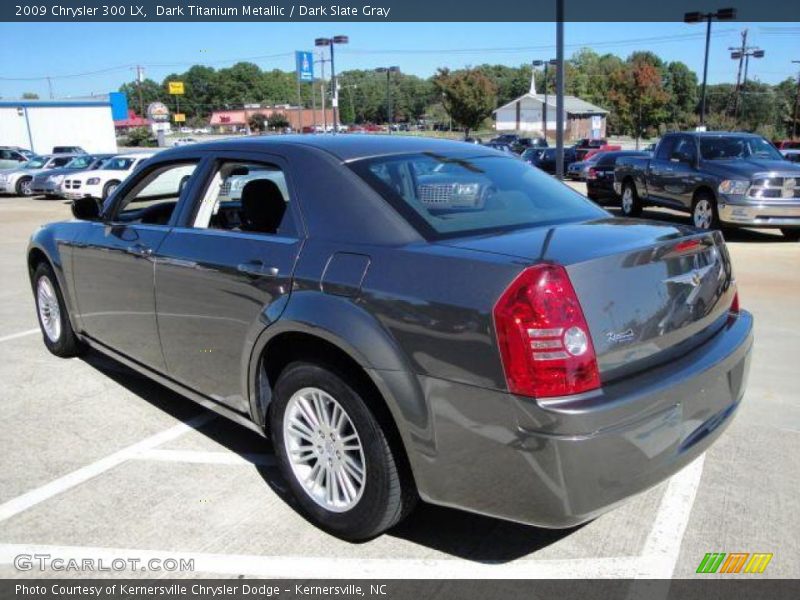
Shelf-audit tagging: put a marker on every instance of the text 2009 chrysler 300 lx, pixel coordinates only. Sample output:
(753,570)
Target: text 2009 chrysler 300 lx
(408,318)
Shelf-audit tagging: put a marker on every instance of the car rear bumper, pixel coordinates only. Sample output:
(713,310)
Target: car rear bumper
(766,214)
(559,466)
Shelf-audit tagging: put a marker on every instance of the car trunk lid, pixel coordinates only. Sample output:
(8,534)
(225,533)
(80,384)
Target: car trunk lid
(649,291)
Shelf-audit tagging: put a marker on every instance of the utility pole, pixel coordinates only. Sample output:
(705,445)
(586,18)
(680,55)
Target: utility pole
(139,80)
(322,62)
(796,103)
(740,53)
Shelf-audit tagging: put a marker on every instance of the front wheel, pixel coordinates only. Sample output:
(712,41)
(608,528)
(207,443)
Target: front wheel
(24,187)
(57,331)
(704,212)
(792,235)
(109,188)
(335,455)
(630,203)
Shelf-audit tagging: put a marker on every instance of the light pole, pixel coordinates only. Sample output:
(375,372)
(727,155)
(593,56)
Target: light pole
(545,63)
(389,112)
(331,42)
(796,103)
(723,14)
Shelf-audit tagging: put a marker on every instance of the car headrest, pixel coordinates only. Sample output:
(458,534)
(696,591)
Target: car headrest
(263,206)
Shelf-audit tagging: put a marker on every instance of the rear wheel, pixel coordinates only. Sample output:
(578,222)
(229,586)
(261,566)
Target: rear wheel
(704,212)
(57,331)
(24,187)
(791,234)
(631,204)
(335,455)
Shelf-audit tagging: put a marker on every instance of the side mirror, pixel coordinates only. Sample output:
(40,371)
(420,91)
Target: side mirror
(86,209)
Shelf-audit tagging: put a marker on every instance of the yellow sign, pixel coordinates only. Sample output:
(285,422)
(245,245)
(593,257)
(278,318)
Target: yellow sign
(175,87)
(179,117)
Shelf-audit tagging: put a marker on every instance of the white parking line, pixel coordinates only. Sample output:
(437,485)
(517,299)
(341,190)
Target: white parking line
(14,336)
(40,494)
(203,457)
(663,544)
(307,567)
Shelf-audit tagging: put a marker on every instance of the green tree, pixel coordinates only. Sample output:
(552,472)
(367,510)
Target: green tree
(151,92)
(257,122)
(468,95)
(277,121)
(30,96)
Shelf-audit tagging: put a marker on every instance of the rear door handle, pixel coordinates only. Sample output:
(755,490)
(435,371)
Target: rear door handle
(258,268)
(139,250)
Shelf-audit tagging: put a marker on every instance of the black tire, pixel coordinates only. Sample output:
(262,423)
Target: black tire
(634,207)
(23,187)
(792,235)
(704,211)
(67,344)
(388,492)
(108,188)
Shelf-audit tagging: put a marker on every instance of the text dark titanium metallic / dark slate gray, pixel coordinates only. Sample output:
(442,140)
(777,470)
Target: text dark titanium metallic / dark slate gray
(409,316)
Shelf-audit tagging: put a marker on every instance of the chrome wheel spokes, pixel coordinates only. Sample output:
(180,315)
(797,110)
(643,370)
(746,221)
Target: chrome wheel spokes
(49,310)
(324,449)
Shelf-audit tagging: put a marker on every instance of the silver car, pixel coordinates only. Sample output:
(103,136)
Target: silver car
(12,157)
(18,181)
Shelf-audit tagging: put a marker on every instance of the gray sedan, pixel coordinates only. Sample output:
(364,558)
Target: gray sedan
(405,319)
(18,180)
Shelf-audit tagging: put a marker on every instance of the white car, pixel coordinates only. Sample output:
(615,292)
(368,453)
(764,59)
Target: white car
(99,183)
(184,141)
(18,180)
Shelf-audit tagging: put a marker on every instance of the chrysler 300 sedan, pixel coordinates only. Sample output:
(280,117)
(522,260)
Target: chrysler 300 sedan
(405,319)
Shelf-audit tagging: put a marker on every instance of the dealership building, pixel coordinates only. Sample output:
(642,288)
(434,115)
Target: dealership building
(40,125)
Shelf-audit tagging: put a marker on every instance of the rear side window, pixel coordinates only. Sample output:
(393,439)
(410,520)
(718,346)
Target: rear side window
(447,196)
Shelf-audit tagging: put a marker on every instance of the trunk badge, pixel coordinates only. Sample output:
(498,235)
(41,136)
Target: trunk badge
(620,337)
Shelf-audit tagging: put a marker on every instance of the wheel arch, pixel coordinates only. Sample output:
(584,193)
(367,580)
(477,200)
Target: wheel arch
(43,248)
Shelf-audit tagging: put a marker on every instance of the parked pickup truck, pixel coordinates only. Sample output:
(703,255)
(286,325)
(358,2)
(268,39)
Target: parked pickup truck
(722,179)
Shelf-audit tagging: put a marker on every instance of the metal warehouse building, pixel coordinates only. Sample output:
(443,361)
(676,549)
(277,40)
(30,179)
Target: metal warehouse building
(40,125)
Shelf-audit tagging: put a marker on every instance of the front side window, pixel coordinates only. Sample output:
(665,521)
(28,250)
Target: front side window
(445,196)
(35,163)
(247,197)
(82,162)
(664,149)
(155,194)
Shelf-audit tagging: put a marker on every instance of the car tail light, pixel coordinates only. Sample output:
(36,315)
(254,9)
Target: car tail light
(543,337)
(734,309)
(591,173)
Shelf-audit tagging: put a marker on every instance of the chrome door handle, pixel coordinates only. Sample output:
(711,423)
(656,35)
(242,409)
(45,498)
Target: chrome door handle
(256,267)
(139,250)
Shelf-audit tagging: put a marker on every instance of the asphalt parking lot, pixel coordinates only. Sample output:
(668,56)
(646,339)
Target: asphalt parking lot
(99,462)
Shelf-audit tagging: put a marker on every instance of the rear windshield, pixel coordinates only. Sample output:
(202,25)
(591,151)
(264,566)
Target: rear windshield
(449,196)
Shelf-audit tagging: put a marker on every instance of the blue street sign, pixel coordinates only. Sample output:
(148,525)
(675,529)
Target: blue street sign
(305,65)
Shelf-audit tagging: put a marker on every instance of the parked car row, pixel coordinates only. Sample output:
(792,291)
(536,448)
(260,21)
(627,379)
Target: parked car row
(68,175)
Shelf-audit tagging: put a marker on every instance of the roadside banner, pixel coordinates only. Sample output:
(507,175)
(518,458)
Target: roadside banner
(305,65)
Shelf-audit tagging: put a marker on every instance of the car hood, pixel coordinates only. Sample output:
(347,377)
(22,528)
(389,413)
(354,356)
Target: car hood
(97,173)
(747,167)
(12,172)
(59,171)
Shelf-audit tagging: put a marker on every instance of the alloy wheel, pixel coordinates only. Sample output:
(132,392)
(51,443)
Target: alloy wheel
(324,449)
(25,187)
(703,214)
(49,310)
(627,200)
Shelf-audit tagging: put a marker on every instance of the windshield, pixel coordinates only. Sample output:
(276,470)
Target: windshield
(35,163)
(119,163)
(82,162)
(728,147)
(445,196)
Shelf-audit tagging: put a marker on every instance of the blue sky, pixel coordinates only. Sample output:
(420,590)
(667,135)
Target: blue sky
(58,49)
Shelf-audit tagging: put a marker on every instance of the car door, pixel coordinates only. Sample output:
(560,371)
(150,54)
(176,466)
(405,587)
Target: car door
(113,264)
(659,169)
(220,275)
(681,179)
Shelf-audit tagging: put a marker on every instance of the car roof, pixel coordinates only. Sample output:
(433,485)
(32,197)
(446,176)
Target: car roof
(716,133)
(347,147)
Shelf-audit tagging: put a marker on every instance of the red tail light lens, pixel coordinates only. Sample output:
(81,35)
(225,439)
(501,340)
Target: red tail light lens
(734,309)
(591,173)
(544,341)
